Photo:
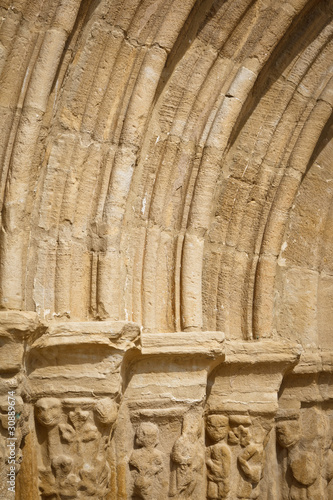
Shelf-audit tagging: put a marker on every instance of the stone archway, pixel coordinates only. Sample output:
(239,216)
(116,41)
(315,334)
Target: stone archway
(166,247)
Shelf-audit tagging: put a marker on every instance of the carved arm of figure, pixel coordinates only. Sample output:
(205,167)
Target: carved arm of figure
(252,470)
(198,458)
(213,466)
(156,464)
(150,464)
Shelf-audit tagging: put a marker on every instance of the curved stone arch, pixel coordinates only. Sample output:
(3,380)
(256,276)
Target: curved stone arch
(166,244)
(138,166)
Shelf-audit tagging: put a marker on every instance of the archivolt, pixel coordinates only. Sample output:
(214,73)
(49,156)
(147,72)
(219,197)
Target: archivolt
(152,153)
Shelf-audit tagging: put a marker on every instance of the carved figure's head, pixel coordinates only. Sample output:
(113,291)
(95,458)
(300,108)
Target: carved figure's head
(106,411)
(192,425)
(147,435)
(62,465)
(237,425)
(48,411)
(244,436)
(217,427)
(287,433)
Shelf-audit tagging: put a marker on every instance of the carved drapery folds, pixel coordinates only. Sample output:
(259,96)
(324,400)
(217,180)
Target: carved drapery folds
(187,458)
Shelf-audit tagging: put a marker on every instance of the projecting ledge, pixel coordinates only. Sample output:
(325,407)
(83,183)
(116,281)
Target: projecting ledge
(213,344)
(209,344)
(119,334)
(262,351)
(315,361)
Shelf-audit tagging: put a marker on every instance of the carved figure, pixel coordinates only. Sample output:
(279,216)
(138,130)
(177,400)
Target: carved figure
(75,449)
(302,464)
(147,463)
(48,412)
(187,457)
(218,458)
(250,463)
(60,482)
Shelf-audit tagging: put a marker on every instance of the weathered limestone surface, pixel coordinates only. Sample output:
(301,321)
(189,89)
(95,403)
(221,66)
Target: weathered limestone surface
(166,249)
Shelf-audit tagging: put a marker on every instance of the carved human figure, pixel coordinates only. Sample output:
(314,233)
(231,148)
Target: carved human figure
(188,458)
(218,458)
(75,438)
(302,464)
(250,462)
(147,463)
(48,412)
(60,482)
(106,411)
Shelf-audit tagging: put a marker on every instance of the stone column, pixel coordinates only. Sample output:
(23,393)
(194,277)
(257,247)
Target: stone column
(160,437)
(304,429)
(16,330)
(242,402)
(74,378)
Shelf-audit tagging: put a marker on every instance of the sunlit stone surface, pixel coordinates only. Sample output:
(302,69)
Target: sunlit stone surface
(166,249)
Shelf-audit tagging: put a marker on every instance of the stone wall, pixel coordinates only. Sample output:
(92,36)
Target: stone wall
(166,249)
